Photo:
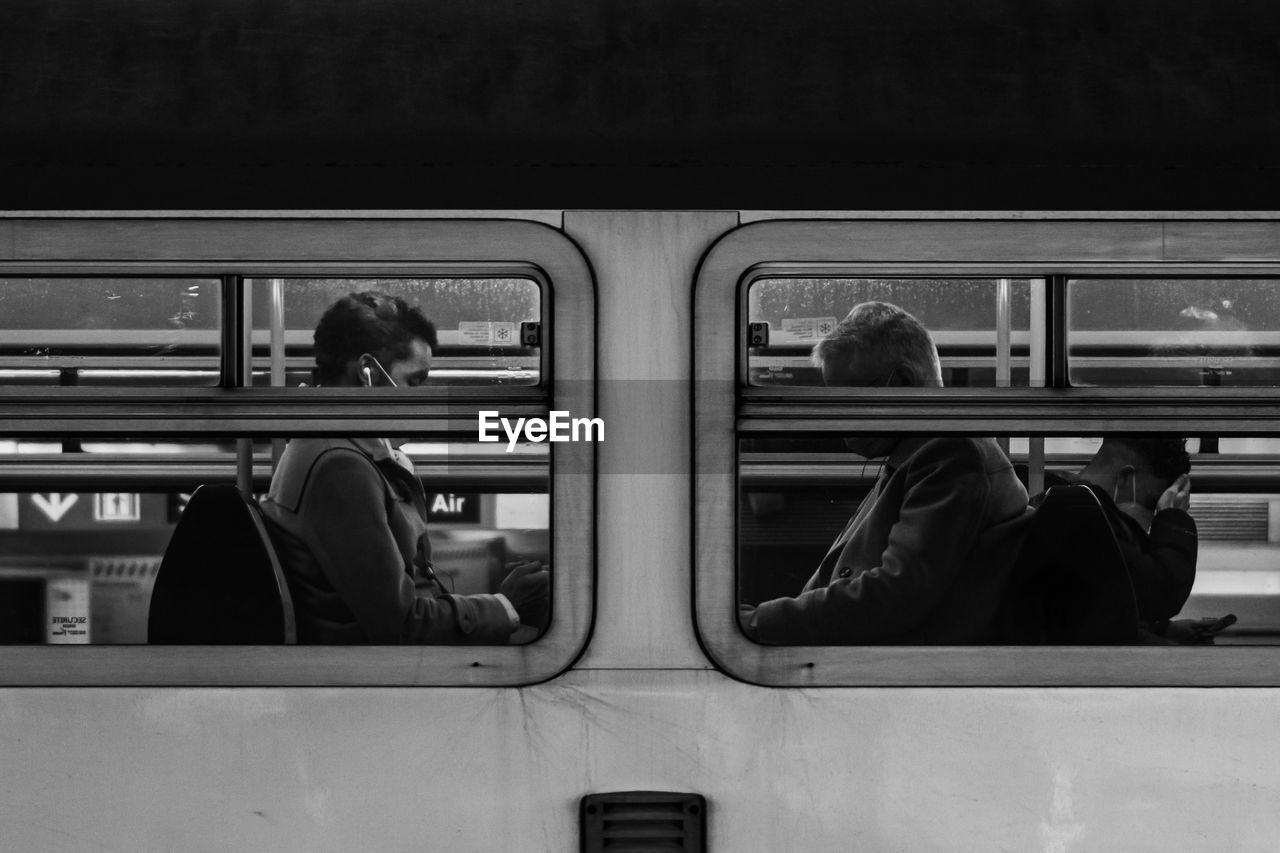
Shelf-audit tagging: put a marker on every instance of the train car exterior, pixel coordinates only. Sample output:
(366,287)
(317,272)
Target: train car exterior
(430,764)
(658,176)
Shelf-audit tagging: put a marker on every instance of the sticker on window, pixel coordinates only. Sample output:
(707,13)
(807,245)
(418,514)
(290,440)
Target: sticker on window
(808,328)
(485,333)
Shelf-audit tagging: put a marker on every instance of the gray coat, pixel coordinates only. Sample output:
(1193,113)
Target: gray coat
(349,525)
(924,559)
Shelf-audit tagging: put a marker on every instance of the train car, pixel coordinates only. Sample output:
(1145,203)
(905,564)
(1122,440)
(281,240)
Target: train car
(637,221)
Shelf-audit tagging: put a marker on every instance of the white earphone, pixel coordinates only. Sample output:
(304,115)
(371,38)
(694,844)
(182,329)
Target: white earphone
(368,373)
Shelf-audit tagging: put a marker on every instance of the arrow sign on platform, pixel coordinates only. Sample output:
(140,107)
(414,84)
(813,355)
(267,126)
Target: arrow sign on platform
(54,505)
(117,506)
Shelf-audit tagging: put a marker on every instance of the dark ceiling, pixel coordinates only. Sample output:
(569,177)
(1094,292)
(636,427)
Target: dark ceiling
(902,104)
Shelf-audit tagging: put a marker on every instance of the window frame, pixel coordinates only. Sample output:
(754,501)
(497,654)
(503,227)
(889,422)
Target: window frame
(250,247)
(725,407)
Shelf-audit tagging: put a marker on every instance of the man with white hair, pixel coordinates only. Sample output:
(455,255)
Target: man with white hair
(925,558)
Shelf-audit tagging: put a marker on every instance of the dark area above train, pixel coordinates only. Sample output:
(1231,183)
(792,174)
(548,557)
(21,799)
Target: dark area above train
(570,103)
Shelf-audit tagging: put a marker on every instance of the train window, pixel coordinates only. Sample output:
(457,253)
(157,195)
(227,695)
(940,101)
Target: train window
(488,329)
(1183,331)
(1205,571)
(114,331)
(782,465)
(94,482)
(980,325)
(89,523)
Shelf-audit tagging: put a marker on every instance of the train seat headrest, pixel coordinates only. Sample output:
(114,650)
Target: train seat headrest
(220,581)
(1070,585)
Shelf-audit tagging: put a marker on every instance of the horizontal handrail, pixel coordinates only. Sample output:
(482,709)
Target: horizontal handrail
(1011,411)
(1236,475)
(820,396)
(264,413)
(74,472)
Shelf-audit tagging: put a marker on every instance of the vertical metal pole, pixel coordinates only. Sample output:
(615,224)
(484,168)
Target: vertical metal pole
(1004,345)
(277,333)
(1038,350)
(1004,337)
(1035,465)
(232,329)
(277,355)
(246,339)
(244,466)
(1056,323)
(243,379)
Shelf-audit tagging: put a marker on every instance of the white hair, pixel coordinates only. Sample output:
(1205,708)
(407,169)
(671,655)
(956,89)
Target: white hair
(887,336)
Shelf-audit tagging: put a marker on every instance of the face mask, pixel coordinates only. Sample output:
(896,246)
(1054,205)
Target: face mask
(1132,508)
(873,447)
(1133,484)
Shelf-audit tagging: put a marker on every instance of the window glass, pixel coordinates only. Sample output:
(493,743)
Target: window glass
(1208,332)
(1183,573)
(109,331)
(963,315)
(84,525)
(482,325)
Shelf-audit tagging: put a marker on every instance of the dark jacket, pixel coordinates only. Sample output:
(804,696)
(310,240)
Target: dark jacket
(924,560)
(1161,563)
(349,525)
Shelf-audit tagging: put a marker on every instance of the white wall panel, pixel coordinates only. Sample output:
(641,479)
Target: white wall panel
(496,769)
(644,264)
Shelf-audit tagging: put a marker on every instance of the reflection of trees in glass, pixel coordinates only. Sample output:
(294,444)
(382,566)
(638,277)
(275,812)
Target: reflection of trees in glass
(104,303)
(952,304)
(1177,304)
(447,301)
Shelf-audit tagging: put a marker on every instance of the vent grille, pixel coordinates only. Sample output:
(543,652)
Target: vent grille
(642,821)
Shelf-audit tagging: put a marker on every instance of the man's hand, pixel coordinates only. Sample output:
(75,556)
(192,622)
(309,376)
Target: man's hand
(528,587)
(1177,496)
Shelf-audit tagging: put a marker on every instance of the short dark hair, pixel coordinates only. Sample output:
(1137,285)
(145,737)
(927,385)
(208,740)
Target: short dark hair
(367,322)
(1166,458)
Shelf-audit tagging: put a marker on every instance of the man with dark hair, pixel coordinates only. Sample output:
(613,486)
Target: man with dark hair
(348,516)
(358,327)
(925,557)
(1144,486)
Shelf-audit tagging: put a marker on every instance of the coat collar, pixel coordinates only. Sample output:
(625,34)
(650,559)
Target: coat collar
(904,450)
(376,449)
(383,454)
(295,467)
